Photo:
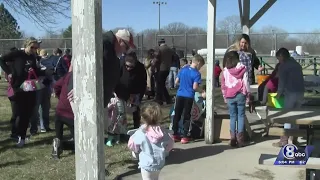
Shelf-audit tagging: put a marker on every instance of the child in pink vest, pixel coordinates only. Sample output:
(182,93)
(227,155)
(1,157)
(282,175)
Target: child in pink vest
(235,89)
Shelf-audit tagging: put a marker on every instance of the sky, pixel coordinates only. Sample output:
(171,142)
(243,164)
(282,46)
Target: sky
(291,15)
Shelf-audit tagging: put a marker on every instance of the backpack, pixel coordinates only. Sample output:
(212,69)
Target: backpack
(56,65)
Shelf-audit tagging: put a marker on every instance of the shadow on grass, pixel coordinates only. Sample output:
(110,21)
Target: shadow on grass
(9,143)
(20,162)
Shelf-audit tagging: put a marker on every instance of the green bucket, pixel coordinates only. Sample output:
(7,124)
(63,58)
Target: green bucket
(275,102)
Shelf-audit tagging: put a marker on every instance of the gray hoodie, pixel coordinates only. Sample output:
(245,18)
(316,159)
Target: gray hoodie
(290,77)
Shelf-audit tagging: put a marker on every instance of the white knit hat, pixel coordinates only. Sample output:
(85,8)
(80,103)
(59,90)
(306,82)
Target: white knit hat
(123,34)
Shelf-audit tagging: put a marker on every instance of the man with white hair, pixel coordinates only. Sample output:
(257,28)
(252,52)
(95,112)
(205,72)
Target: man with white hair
(114,45)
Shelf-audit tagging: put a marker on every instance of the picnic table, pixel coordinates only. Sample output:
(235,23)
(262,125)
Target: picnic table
(306,116)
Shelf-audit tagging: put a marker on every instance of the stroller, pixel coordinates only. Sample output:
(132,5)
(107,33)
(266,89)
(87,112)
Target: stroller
(198,112)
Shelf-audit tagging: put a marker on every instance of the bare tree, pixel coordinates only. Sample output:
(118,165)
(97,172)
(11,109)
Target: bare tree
(176,28)
(44,13)
(310,41)
(230,25)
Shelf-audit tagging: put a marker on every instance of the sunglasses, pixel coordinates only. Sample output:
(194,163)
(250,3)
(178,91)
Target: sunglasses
(32,47)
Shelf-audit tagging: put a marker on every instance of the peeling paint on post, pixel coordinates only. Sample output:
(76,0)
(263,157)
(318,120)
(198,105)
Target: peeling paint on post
(209,122)
(88,89)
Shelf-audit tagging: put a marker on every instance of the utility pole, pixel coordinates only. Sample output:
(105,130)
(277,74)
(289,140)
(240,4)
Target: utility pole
(159,3)
(89,111)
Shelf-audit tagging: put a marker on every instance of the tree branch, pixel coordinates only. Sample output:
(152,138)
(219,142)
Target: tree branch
(44,13)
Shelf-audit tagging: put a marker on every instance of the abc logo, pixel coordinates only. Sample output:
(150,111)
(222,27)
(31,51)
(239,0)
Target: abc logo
(290,151)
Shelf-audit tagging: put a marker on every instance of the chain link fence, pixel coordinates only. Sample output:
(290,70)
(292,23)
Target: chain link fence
(262,43)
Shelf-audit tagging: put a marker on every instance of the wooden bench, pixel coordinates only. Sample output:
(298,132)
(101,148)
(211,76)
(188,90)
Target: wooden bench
(268,159)
(306,115)
(292,132)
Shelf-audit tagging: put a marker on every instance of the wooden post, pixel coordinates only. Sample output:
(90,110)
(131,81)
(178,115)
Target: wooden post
(209,122)
(246,17)
(88,89)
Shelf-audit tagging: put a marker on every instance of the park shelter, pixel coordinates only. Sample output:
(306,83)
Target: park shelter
(88,84)
(246,23)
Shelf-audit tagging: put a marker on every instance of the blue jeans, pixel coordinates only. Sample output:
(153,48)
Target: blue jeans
(237,108)
(172,76)
(42,110)
(291,101)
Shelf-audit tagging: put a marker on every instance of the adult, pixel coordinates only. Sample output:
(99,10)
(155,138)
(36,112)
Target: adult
(42,109)
(247,56)
(194,52)
(150,69)
(164,57)
(114,45)
(23,63)
(60,65)
(175,65)
(14,130)
(291,86)
(132,84)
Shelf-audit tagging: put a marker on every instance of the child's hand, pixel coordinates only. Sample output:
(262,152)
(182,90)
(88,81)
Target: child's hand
(260,68)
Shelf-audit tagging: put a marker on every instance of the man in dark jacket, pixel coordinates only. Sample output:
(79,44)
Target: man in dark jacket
(114,45)
(175,65)
(133,83)
(164,58)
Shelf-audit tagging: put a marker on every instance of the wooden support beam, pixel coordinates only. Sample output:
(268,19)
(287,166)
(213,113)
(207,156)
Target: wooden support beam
(211,31)
(88,89)
(240,10)
(246,17)
(261,12)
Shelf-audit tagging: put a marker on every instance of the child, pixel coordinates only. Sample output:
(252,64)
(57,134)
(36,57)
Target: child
(151,142)
(235,90)
(64,115)
(117,117)
(189,78)
(183,62)
(197,115)
(217,72)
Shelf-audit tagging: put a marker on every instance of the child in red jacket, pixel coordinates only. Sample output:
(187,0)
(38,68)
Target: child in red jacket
(64,116)
(217,72)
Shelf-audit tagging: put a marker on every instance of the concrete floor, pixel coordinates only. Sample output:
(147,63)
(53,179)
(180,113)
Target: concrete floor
(197,161)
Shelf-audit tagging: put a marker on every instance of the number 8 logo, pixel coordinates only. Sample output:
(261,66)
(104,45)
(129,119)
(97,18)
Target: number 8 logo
(289,150)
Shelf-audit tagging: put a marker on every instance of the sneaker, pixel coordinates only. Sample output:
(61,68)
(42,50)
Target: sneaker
(21,142)
(185,140)
(109,143)
(43,130)
(176,138)
(56,148)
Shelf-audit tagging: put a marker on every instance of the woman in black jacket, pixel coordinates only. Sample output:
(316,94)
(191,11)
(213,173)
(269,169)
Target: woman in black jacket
(21,63)
(133,82)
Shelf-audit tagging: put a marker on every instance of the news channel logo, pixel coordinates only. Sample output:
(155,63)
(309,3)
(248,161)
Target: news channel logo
(290,154)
